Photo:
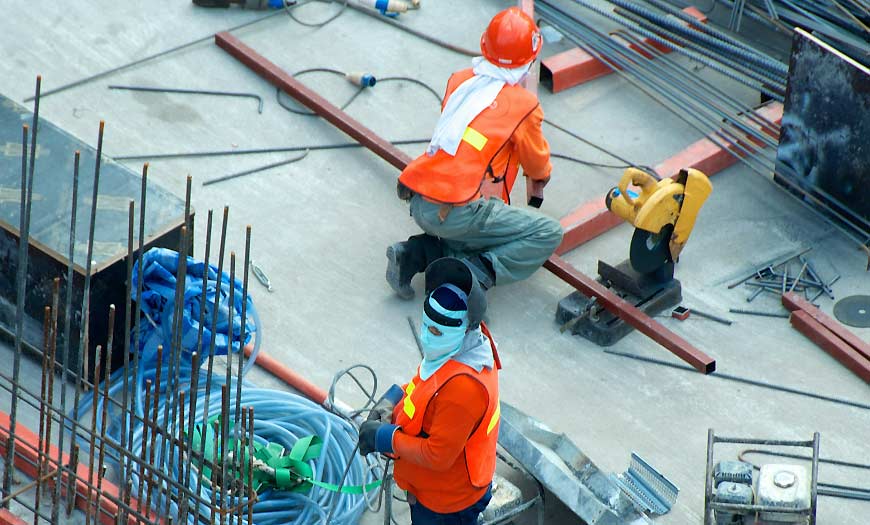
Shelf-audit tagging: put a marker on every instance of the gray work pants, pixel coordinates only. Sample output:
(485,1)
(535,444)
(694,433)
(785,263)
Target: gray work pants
(516,241)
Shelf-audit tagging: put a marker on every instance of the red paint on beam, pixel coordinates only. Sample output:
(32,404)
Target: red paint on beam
(794,302)
(338,118)
(831,343)
(631,315)
(591,219)
(289,376)
(7,518)
(585,223)
(575,66)
(570,68)
(25,461)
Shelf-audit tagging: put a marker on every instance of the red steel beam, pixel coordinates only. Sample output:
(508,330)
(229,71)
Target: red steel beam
(575,66)
(338,118)
(831,343)
(7,518)
(26,459)
(289,376)
(591,219)
(388,152)
(631,315)
(794,302)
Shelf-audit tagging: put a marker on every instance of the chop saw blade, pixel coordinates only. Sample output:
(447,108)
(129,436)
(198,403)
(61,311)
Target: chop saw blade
(649,251)
(853,311)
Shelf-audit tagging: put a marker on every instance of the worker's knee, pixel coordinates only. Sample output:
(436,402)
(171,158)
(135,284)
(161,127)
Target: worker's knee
(550,233)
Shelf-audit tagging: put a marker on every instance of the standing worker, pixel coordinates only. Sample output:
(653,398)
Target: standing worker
(442,426)
(459,189)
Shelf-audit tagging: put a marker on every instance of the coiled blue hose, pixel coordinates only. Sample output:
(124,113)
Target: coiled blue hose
(279,417)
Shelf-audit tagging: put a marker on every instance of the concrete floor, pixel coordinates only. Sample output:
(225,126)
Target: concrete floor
(321,225)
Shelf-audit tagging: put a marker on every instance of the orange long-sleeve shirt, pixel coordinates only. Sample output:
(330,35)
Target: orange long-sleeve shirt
(439,476)
(529,148)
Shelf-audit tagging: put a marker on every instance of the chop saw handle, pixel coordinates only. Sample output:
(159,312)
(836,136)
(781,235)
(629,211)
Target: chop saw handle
(635,177)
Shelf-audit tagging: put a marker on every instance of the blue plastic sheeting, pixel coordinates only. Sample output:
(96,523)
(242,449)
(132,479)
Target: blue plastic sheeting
(158,303)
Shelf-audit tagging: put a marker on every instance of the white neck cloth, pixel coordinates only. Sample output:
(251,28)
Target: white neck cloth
(469,99)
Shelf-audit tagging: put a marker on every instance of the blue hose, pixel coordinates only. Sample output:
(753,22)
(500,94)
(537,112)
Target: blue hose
(280,417)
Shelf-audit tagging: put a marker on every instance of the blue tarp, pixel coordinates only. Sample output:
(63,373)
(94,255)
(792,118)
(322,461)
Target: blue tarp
(158,302)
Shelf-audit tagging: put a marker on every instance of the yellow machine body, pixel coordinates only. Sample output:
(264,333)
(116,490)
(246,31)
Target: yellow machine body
(660,203)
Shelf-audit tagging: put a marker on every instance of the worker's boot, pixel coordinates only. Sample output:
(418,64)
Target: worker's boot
(408,258)
(482,269)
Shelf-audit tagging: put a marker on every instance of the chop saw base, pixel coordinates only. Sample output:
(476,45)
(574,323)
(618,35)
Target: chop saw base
(651,295)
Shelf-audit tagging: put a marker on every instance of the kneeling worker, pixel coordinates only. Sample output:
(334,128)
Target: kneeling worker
(442,426)
(459,189)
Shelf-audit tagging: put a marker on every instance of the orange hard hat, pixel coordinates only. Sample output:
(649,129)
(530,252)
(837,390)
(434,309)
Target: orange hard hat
(511,40)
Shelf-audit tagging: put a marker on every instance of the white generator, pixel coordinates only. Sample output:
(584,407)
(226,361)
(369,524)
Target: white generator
(780,494)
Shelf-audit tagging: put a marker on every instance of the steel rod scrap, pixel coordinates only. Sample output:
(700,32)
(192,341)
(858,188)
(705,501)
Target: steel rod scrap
(698,106)
(276,76)
(165,52)
(150,89)
(258,151)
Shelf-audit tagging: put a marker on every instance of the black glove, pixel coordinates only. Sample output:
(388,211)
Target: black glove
(383,409)
(376,437)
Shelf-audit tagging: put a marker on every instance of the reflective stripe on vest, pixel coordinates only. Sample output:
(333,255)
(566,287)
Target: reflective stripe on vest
(458,179)
(480,447)
(408,406)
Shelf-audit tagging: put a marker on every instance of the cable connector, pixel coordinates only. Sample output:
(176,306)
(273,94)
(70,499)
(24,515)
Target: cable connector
(390,8)
(261,276)
(362,80)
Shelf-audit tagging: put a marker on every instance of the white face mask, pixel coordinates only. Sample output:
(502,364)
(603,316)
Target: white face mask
(441,342)
(436,346)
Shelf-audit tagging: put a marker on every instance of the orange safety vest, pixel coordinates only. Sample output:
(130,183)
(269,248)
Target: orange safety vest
(480,448)
(459,179)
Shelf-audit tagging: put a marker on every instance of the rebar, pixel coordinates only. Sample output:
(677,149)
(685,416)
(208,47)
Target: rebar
(131,219)
(92,435)
(758,313)
(148,58)
(252,496)
(143,450)
(258,169)
(170,412)
(104,412)
(697,113)
(154,415)
(67,320)
(46,335)
(258,151)
(182,512)
(139,283)
(194,387)
(25,488)
(224,440)
(71,478)
(242,334)
(23,246)
(211,350)
(52,349)
(195,358)
(151,89)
